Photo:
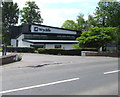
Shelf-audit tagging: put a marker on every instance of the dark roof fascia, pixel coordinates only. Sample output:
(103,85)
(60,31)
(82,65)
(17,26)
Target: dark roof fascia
(54,27)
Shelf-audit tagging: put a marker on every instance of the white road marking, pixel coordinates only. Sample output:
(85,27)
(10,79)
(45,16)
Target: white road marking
(111,72)
(36,86)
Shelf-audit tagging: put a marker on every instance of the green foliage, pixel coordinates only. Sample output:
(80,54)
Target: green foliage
(118,38)
(91,22)
(98,37)
(31,13)
(21,49)
(0,24)
(0,33)
(59,51)
(0,49)
(108,13)
(77,46)
(63,51)
(19,58)
(69,24)
(81,23)
(10,15)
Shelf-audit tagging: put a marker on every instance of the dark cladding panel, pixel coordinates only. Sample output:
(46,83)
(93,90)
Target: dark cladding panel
(15,31)
(26,28)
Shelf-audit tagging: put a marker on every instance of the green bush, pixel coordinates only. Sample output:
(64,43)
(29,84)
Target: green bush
(0,49)
(98,37)
(63,51)
(21,49)
(49,51)
(19,58)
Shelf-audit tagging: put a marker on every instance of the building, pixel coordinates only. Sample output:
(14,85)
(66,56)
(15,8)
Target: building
(42,36)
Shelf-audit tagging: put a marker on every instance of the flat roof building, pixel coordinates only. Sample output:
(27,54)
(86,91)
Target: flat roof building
(42,36)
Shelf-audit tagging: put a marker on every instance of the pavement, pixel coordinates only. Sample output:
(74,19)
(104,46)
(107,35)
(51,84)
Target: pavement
(39,74)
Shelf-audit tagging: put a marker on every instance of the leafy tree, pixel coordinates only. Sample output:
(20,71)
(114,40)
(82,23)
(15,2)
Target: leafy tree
(118,37)
(10,15)
(97,37)
(69,24)
(91,22)
(31,13)
(0,24)
(81,22)
(108,13)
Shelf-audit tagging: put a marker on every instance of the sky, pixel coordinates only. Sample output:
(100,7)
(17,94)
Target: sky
(56,12)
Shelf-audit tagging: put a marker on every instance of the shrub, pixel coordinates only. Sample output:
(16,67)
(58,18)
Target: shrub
(64,51)
(0,49)
(21,49)
(98,37)
(19,58)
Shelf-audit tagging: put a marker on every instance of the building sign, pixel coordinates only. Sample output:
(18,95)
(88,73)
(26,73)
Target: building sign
(38,29)
(43,29)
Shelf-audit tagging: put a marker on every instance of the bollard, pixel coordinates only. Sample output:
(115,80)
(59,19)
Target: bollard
(3,49)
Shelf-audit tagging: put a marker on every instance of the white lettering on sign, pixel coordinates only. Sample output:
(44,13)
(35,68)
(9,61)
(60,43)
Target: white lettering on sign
(39,29)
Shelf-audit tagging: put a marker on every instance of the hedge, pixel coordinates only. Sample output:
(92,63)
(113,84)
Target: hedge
(49,51)
(63,51)
(21,49)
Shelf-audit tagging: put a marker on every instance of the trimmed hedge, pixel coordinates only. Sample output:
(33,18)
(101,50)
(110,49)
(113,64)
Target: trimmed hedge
(21,49)
(49,51)
(63,51)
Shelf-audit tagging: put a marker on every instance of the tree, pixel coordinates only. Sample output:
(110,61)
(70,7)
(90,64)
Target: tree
(98,37)
(69,24)
(0,24)
(91,22)
(10,15)
(81,22)
(31,13)
(108,13)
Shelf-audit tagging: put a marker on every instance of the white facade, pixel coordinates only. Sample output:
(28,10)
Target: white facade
(13,42)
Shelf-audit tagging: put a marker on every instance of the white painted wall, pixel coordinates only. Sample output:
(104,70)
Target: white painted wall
(13,42)
(68,46)
(22,43)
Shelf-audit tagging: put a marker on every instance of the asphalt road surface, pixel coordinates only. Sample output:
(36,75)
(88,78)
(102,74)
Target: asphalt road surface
(39,74)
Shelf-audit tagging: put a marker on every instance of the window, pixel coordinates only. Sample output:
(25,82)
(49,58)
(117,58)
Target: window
(43,36)
(28,36)
(36,36)
(38,45)
(41,46)
(65,37)
(58,46)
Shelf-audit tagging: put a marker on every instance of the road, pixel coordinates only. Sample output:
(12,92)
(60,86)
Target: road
(39,74)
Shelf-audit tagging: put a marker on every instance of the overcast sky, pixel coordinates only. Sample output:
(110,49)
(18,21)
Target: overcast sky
(55,12)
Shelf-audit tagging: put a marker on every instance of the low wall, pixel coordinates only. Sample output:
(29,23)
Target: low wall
(102,54)
(7,59)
